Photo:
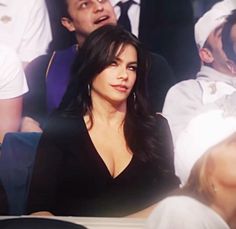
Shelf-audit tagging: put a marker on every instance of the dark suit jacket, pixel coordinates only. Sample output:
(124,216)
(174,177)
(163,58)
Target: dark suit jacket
(167,28)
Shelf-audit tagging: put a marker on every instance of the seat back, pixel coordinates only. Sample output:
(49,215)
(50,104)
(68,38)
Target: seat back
(16,164)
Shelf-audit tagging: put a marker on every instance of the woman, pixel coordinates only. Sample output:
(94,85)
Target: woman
(207,200)
(104,154)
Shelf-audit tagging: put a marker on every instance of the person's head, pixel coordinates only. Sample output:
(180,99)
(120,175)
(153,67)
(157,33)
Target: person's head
(213,178)
(83,17)
(229,40)
(112,65)
(208,32)
(203,131)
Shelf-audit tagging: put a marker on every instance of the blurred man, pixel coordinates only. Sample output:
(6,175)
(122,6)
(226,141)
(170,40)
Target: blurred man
(214,86)
(25,27)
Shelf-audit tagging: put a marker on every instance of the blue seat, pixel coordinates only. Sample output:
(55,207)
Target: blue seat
(16,163)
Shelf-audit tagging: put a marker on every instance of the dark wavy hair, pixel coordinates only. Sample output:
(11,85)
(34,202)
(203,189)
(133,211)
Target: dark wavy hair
(228,45)
(98,51)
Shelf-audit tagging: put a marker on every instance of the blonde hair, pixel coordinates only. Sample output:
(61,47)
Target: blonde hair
(199,184)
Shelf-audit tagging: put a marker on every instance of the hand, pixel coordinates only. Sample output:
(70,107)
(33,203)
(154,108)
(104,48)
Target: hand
(42,213)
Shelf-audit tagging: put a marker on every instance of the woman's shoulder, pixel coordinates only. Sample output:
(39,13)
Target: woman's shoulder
(61,124)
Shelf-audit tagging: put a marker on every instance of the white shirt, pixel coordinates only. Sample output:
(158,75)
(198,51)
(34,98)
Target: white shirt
(133,14)
(185,101)
(26,27)
(182,212)
(12,77)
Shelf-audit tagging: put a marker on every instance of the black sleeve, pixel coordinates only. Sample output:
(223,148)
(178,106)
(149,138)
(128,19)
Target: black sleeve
(47,169)
(160,79)
(35,100)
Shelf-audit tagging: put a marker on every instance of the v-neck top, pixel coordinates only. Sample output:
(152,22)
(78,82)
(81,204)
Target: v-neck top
(71,178)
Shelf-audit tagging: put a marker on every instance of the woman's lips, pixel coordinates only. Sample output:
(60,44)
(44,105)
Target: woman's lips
(120,88)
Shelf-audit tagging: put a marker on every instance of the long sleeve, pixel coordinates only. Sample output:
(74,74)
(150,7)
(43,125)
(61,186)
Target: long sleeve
(47,171)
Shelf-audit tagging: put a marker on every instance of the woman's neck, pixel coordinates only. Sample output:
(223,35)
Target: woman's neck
(107,113)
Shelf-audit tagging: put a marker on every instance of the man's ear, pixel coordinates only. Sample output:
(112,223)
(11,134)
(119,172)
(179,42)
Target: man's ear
(68,24)
(231,66)
(206,55)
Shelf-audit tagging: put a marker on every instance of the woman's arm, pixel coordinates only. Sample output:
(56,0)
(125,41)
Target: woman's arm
(47,171)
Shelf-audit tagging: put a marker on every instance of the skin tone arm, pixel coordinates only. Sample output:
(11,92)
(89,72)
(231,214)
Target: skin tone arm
(10,115)
(42,213)
(30,125)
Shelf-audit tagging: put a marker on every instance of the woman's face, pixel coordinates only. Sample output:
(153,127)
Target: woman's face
(115,82)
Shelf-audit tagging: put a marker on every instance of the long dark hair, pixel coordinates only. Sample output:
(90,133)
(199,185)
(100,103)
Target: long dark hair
(98,52)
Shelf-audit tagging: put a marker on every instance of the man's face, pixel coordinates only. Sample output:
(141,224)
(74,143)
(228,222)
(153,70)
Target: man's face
(233,37)
(215,45)
(87,16)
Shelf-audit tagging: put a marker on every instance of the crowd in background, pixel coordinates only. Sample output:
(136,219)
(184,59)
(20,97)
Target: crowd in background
(167,126)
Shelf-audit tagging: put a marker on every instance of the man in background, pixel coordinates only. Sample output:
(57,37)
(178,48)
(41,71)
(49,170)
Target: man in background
(25,27)
(166,28)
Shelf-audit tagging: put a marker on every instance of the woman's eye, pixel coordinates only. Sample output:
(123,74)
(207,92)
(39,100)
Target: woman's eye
(132,68)
(113,63)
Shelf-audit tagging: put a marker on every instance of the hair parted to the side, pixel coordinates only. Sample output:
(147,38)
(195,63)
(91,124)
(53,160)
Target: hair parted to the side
(98,51)
(199,184)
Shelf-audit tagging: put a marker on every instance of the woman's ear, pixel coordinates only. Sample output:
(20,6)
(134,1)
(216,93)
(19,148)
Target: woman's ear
(231,66)
(206,55)
(68,24)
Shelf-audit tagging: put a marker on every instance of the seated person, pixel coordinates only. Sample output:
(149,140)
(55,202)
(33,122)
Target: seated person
(223,97)
(12,86)
(105,154)
(215,80)
(207,200)
(28,35)
(48,76)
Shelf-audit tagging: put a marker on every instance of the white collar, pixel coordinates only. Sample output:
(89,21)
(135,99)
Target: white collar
(214,84)
(114,2)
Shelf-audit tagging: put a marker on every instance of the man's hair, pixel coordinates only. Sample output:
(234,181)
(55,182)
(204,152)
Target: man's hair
(228,45)
(62,8)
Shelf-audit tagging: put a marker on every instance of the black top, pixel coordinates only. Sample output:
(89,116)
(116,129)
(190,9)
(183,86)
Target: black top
(70,178)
